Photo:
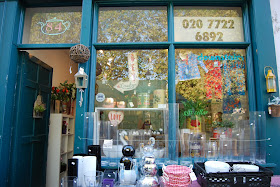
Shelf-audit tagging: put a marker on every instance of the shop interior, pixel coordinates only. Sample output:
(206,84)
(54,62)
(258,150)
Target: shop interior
(62,110)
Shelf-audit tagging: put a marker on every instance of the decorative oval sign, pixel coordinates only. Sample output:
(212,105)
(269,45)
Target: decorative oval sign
(100,97)
(115,117)
(54,26)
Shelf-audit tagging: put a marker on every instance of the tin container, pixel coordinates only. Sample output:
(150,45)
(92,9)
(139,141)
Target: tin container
(143,100)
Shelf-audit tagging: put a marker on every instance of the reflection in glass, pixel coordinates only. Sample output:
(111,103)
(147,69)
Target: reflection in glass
(132,78)
(52,25)
(208,24)
(132,24)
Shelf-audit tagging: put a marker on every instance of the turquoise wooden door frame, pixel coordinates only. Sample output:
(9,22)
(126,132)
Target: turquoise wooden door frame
(9,30)
(259,44)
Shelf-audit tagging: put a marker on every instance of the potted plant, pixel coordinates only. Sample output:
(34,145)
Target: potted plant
(222,127)
(192,113)
(56,97)
(68,95)
(65,93)
(39,109)
(274,107)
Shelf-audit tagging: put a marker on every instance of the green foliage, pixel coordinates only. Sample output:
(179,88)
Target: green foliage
(193,107)
(132,25)
(64,92)
(225,124)
(39,108)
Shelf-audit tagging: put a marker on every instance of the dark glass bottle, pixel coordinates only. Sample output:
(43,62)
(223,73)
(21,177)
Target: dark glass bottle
(127,158)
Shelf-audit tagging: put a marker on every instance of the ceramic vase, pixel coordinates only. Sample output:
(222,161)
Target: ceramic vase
(57,106)
(64,107)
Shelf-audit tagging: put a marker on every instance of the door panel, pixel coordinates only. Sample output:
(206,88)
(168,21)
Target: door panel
(31,135)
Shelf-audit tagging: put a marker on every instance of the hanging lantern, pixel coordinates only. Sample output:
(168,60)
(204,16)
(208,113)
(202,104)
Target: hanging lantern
(39,107)
(79,53)
(270,81)
(81,79)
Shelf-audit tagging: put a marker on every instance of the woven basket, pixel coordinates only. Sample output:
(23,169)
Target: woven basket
(79,53)
(275,110)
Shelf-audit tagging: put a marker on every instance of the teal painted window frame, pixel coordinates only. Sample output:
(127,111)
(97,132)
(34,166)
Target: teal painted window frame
(171,45)
(89,35)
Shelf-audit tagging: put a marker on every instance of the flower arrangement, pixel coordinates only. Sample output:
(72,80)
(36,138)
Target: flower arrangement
(64,92)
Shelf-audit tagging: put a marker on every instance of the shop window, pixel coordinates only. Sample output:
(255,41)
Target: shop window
(52,25)
(132,24)
(211,117)
(208,24)
(131,95)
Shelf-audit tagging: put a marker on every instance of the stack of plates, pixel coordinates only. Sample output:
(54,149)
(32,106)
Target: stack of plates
(176,176)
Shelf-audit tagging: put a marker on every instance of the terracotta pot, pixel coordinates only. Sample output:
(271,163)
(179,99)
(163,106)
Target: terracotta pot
(57,106)
(275,110)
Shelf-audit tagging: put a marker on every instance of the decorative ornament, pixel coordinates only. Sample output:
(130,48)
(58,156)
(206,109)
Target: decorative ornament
(98,69)
(270,80)
(79,53)
(39,107)
(115,117)
(81,78)
(81,98)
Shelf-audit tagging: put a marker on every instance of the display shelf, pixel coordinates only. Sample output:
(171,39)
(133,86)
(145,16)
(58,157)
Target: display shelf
(60,146)
(131,109)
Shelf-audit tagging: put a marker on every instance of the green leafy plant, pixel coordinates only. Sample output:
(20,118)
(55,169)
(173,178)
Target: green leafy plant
(39,108)
(224,124)
(64,92)
(193,108)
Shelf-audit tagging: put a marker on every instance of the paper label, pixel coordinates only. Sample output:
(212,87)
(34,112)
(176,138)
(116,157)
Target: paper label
(192,176)
(161,105)
(108,144)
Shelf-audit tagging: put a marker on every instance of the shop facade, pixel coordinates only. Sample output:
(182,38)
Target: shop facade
(147,56)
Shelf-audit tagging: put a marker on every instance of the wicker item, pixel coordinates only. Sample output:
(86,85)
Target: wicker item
(176,176)
(275,110)
(79,53)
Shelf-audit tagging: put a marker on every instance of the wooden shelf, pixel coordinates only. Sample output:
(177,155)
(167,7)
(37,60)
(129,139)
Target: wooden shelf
(60,147)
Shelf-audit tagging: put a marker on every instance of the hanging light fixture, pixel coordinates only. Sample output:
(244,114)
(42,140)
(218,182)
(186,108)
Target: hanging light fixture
(270,80)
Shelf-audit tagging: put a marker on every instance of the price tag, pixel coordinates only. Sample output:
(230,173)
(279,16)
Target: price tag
(162,106)
(192,176)
(108,144)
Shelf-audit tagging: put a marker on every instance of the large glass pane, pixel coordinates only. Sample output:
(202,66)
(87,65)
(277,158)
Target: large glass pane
(132,24)
(212,91)
(52,25)
(208,24)
(136,77)
(131,99)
